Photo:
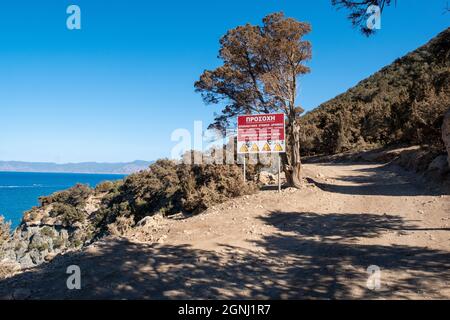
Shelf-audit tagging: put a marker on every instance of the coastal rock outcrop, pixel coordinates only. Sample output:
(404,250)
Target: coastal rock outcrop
(62,223)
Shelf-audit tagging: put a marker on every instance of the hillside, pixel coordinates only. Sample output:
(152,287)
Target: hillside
(85,167)
(402,104)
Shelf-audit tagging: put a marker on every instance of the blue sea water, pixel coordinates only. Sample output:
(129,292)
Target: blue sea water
(20,191)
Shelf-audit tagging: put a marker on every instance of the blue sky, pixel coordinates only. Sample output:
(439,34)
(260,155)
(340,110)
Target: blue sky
(116,89)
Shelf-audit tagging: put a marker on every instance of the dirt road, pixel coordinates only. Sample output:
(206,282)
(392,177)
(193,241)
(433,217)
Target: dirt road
(313,243)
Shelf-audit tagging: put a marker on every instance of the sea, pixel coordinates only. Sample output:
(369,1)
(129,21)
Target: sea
(20,191)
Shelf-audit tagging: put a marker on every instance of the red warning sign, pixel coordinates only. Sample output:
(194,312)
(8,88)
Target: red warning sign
(261,134)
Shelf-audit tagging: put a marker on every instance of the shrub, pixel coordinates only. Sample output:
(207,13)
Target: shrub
(108,186)
(69,215)
(122,226)
(146,192)
(47,231)
(206,185)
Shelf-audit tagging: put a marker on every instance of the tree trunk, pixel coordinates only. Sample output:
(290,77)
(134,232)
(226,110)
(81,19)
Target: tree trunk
(292,159)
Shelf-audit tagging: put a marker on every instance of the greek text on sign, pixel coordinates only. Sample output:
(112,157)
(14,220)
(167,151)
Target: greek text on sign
(261,134)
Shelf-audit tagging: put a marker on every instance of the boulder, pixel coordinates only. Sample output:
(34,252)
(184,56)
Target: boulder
(446,134)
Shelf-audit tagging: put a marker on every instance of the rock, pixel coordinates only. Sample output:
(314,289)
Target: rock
(64,235)
(446,134)
(440,164)
(150,221)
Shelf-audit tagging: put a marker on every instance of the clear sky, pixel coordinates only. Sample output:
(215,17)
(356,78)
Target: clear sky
(116,89)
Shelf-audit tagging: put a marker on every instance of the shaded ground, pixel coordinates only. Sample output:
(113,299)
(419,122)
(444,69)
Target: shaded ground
(314,243)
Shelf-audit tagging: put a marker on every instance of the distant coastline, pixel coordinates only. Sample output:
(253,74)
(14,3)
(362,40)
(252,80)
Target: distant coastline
(122,168)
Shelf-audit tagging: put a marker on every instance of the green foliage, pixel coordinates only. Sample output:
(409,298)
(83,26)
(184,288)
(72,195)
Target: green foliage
(358,11)
(260,70)
(68,214)
(166,187)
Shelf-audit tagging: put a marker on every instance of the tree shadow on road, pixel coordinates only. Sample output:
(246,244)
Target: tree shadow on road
(379,181)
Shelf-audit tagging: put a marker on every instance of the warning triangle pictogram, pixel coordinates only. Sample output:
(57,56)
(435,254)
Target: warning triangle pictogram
(278,147)
(267,148)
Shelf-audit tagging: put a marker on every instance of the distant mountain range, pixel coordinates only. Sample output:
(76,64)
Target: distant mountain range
(85,167)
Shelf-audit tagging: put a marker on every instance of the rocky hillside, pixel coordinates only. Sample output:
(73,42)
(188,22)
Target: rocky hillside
(404,103)
(71,219)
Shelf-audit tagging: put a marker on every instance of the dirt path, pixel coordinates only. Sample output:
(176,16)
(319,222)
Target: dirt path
(316,242)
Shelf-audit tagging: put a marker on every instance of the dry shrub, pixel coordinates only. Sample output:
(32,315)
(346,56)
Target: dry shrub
(121,227)
(106,186)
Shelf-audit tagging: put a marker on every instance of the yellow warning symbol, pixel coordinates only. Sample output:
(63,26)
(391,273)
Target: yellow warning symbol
(244,148)
(267,148)
(255,148)
(278,147)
